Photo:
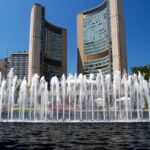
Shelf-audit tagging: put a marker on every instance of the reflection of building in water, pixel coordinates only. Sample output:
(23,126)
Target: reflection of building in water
(101,39)
(48,46)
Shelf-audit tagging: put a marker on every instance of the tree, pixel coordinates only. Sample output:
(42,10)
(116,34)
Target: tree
(145,70)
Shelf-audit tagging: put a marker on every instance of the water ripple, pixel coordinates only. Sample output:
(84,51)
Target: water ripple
(115,136)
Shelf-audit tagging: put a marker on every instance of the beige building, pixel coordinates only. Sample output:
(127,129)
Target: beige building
(101,39)
(19,62)
(3,67)
(2,64)
(47,47)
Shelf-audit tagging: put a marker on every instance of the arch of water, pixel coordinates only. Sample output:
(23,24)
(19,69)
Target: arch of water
(75,99)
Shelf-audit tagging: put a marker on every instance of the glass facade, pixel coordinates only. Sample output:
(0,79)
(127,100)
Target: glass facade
(52,54)
(96,37)
(53,45)
(101,39)
(51,71)
(48,46)
(94,66)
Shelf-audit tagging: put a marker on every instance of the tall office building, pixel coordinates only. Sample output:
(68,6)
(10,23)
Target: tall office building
(19,62)
(101,39)
(47,47)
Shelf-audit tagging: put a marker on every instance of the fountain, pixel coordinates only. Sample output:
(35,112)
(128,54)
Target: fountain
(75,99)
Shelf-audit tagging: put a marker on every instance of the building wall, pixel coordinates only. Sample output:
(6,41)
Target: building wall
(80,42)
(48,46)
(2,64)
(35,44)
(118,35)
(106,30)
(54,53)
(19,62)
(3,67)
(64,52)
(93,41)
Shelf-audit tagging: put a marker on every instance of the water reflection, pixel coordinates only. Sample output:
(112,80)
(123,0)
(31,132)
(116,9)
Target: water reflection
(75,136)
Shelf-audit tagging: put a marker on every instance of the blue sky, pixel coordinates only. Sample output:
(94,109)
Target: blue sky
(15,23)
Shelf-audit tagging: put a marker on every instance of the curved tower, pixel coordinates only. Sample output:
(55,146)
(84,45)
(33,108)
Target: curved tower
(47,47)
(35,40)
(101,39)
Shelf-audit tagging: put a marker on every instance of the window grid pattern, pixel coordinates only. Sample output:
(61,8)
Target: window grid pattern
(20,65)
(53,45)
(96,36)
(51,71)
(95,65)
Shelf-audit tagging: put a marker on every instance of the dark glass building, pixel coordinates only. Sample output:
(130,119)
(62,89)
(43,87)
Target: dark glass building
(48,46)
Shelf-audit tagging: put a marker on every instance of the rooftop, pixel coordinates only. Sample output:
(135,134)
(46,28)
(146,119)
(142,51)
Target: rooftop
(97,8)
